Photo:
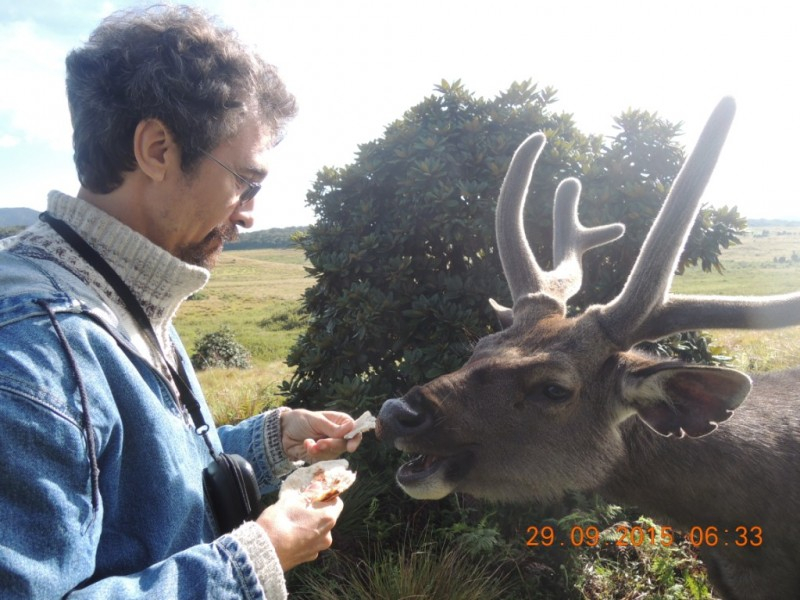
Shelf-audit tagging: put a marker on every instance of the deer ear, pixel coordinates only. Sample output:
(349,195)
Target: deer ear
(678,399)
(504,315)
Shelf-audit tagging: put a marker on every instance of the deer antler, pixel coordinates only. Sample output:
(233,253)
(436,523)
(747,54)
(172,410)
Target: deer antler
(644,310)
(519,265)
(570,239)
(687,313)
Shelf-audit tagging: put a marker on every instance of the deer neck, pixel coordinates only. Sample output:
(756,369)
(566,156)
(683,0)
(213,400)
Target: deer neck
(678,480)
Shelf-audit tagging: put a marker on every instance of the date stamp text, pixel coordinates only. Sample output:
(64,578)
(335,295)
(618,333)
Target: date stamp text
(741,536)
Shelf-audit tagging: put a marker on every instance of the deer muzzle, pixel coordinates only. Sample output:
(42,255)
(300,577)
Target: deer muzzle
(401,419)
(408,424)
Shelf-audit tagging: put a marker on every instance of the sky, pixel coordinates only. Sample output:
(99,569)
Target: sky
(357,65)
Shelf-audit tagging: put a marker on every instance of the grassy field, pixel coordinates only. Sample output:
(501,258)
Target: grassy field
(761,265)
(257,294)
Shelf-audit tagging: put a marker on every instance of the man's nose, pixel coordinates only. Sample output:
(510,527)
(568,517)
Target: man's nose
(242,215)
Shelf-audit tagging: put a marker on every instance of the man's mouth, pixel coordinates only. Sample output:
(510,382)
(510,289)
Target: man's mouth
(222,234)
(205,253)
(229,233)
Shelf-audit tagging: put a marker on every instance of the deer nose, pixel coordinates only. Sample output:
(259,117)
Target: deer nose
(403,417)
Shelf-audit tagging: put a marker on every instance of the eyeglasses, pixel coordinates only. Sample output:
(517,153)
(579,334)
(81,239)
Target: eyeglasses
(252,187)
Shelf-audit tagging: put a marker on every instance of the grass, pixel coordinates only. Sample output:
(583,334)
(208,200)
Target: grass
(257,294)
(417,571)
(247,287)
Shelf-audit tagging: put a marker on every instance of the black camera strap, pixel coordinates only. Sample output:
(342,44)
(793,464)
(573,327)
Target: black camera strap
(91,256)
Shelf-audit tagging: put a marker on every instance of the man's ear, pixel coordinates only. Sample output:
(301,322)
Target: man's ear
(677,399)
(155,149)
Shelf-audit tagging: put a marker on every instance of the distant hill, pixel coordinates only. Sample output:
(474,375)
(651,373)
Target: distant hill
(17,217)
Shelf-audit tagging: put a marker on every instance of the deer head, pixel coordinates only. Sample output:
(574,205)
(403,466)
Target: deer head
(540,406)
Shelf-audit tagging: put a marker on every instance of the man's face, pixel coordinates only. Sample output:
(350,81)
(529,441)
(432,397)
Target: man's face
(209,206)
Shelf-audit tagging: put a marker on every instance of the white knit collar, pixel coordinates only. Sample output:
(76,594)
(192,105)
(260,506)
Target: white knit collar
(158,280)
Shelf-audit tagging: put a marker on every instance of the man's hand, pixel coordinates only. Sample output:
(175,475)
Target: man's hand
(314,436)
(299,531)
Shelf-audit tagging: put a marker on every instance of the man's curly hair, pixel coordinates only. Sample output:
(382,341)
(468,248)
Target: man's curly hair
(168,63)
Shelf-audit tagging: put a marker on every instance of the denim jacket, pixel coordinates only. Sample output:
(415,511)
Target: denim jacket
(101,490)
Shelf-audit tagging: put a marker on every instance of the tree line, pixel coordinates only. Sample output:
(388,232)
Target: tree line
(276,237)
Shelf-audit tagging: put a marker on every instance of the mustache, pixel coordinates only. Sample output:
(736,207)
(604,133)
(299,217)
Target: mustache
(223,233)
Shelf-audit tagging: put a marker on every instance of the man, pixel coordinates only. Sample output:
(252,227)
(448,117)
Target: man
(101,472)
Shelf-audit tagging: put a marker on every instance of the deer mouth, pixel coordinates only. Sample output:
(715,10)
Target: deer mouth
(431,477)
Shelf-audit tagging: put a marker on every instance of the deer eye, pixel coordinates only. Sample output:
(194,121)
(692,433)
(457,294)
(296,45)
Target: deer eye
(555,392)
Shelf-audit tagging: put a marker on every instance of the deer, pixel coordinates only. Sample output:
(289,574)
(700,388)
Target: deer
(552,403)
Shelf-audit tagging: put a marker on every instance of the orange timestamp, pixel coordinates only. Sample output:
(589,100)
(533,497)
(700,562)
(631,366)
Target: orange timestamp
(636,535)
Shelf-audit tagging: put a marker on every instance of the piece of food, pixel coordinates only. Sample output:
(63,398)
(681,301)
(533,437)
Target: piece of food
(319,482)
(365,422)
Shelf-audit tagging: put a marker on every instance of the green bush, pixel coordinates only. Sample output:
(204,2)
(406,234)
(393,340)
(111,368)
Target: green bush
(658,571)
(220,349)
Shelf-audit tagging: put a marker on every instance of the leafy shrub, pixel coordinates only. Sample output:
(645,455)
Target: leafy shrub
(648,570)
(689,346)
(220,349)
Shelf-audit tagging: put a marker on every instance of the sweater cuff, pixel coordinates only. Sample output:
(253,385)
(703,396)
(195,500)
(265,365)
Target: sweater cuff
(279,463)
(255,541)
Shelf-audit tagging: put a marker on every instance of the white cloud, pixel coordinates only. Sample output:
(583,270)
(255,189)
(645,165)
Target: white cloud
(33,104)
(8,141)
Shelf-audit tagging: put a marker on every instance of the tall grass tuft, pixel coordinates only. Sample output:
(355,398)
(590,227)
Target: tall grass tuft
(424,572)
(234,395)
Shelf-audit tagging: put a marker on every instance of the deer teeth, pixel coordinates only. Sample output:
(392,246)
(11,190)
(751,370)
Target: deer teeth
(421,462)
(417,463)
